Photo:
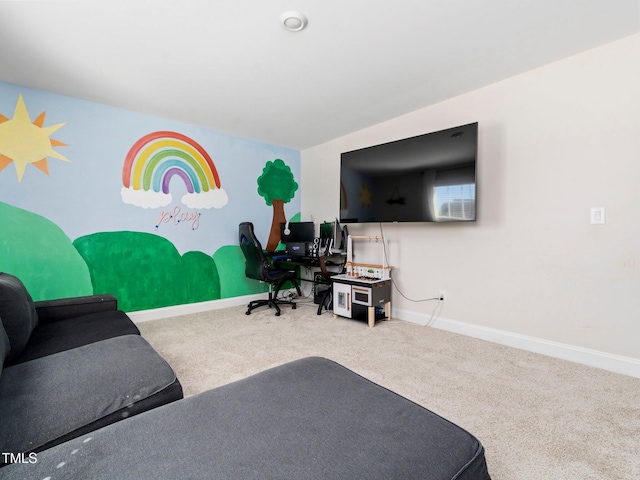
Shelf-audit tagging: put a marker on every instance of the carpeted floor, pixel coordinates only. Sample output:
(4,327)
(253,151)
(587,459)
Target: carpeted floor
(538,417)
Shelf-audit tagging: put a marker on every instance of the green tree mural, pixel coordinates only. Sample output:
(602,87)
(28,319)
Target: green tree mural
(277,186)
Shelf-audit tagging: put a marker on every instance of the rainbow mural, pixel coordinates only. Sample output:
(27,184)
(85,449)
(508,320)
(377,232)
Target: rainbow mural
(156,158)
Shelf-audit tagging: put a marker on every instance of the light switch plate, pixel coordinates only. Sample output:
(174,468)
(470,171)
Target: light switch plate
(597,215)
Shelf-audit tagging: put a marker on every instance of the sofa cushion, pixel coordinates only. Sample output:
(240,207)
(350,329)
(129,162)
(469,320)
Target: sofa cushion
(54,337)
(308,419)
(18,313)
(51,399)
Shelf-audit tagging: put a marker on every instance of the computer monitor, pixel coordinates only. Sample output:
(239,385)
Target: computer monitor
(297,232)
(338,240)
(332,237)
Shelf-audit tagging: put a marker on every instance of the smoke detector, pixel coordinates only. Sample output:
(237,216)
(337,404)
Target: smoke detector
(293,21)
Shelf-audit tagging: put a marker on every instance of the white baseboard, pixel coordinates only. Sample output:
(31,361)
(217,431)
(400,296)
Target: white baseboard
(177,310)
(593,358)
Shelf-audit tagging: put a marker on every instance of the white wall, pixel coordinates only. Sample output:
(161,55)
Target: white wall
(553,143)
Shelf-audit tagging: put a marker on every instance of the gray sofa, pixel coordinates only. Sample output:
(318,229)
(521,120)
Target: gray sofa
(71,366)
(68,412)
(307,419)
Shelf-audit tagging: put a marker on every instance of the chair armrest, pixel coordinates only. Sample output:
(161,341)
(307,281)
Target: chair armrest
(272,258)
(62,308)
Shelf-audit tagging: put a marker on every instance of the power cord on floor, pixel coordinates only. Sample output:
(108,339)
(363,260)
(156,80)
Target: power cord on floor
(292,296)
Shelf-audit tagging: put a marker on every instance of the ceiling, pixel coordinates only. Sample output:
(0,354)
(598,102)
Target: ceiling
(229,65)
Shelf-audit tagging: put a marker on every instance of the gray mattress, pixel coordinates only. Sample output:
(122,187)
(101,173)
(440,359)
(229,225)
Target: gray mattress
(308,419)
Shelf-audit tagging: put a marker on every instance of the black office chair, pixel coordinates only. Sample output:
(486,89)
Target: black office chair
(260,266)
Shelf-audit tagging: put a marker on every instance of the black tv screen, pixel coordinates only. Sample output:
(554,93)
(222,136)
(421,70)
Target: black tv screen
(427,178)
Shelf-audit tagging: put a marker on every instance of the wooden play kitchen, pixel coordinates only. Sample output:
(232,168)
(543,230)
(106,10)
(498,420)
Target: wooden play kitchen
(364,291)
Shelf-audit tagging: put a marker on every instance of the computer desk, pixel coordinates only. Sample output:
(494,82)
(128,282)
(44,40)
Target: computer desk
(321,262)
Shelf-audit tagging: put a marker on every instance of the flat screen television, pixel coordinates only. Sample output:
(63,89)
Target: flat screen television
(427,178)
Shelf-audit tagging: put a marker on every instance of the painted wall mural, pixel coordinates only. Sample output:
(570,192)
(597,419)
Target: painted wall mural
(154,160)
(141,211)
(277,186)
(24,142)
(38,251)
(134,265)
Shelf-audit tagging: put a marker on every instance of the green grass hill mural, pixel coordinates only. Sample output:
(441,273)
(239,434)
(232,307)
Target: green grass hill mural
(38,252)
(230,262)
(145,271)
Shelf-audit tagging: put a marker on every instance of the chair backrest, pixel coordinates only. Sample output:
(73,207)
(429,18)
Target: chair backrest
(255,261)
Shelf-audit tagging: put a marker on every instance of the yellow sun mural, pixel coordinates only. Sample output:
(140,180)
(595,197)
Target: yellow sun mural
(23,142)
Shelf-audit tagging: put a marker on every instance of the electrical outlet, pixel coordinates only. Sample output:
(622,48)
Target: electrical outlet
(597,215)
(442,296)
